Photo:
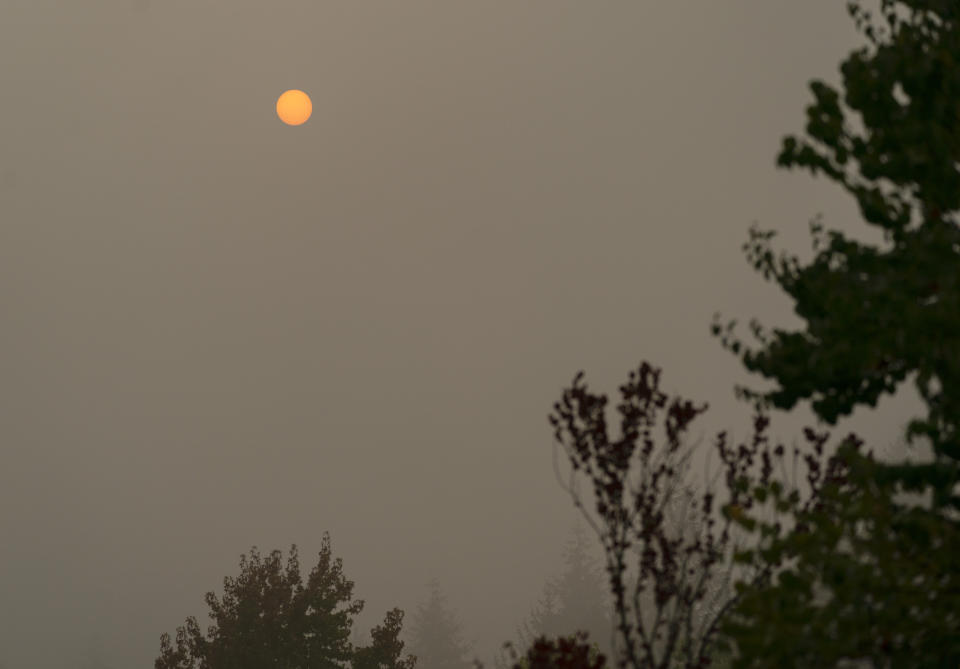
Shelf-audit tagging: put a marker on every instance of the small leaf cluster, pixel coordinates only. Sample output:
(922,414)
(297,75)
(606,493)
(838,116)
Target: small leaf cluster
(564,652)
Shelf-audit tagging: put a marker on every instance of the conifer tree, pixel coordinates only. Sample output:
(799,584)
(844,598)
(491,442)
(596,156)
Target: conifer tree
(268,617)
(574,601)
(436,638)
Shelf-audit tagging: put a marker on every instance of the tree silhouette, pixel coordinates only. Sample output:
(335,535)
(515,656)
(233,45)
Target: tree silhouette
(874,316)
(863,576)
(565,652)
(670,559)
(385,650)
(268,617)
(788,574)
(436,638)
(835,570)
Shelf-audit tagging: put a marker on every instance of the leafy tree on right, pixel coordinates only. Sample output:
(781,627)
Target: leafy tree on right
(861,576)
(874,316)
(843,571)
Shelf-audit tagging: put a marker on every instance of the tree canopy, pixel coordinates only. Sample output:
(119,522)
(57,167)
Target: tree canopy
(862,575)
(267,617)
(874,316)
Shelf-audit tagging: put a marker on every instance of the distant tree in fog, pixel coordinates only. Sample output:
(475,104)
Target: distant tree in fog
(436,638)
(267,617)
(575,601)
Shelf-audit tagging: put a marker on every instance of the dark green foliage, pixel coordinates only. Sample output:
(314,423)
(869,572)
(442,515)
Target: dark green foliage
(874,316)
(857,577)
(436,638)
(384,651)
(267,617)
(861,575)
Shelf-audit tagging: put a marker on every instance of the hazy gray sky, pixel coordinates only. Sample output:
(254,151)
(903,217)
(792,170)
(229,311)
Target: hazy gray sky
(220,331)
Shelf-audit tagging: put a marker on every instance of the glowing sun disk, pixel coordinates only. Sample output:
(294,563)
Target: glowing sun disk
(294,107)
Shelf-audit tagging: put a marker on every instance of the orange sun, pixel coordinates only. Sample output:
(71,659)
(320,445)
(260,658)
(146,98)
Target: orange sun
(294,107)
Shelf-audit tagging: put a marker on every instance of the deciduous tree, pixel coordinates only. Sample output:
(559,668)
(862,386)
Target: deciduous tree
(866,577)
(875,316)
(840,570)
(669,554)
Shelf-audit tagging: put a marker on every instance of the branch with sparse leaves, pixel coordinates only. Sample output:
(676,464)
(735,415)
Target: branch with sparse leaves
(670,601)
